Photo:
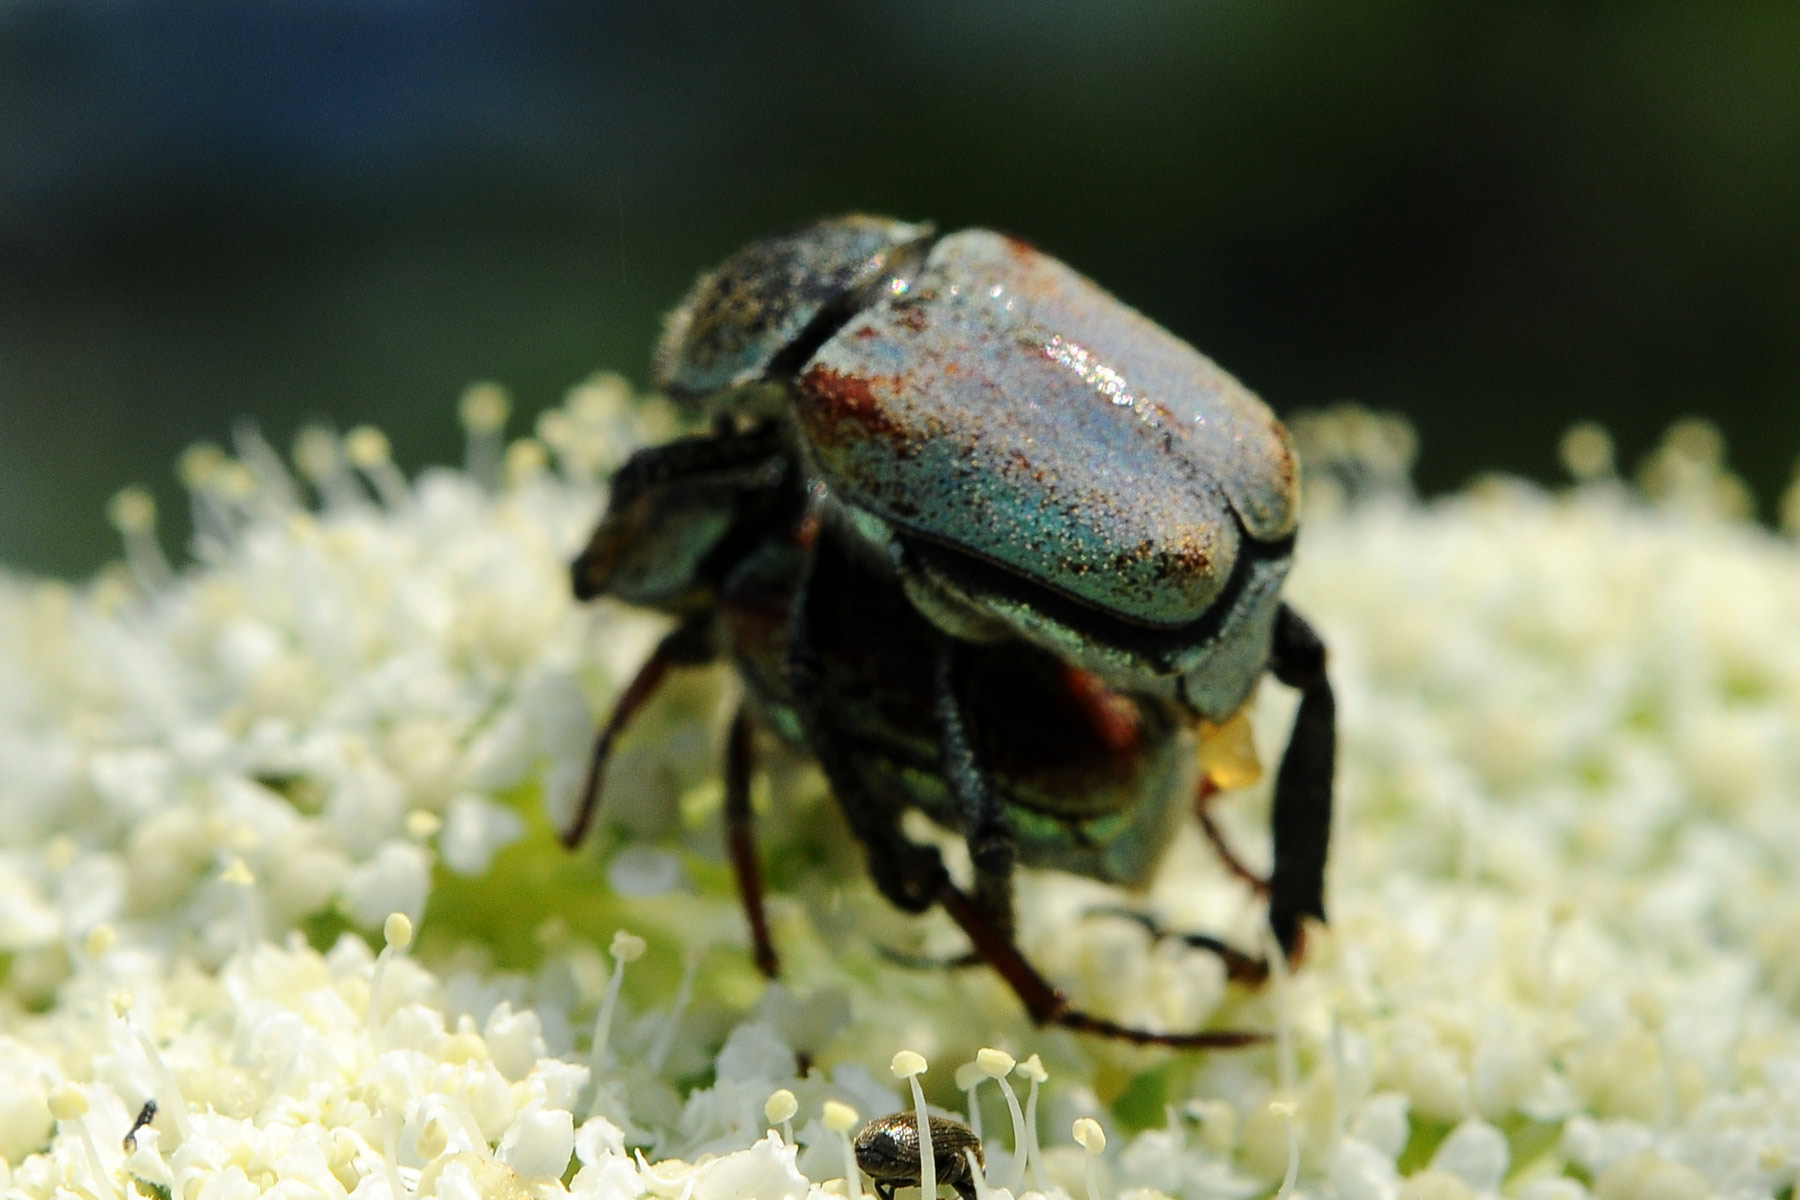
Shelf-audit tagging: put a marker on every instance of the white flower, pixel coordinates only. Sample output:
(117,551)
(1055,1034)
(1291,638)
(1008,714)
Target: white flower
(1564,917)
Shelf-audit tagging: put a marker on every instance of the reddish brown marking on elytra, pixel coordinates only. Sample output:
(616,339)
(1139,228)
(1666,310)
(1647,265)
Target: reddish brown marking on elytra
(1021,250)
(912,316)
(848,408)
(1112,717)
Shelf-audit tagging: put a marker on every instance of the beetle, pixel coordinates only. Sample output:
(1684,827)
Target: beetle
(961,448)
(887,1149)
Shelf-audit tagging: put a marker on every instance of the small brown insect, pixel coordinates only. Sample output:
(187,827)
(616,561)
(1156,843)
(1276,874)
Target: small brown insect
(887,1148)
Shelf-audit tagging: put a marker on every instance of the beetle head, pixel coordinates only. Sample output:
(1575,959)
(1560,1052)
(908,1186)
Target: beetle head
(764,310)
(675,514)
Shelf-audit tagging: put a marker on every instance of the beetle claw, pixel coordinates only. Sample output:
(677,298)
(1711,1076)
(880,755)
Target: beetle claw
(1239,966)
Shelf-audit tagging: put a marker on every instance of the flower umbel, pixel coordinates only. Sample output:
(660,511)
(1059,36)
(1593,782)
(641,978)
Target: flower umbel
(1565,920)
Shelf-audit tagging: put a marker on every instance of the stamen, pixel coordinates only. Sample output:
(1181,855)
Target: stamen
(780,1109)
(398,930)
(1092,1139)
(1033,1069)
(968,1078)
(626,947)
(69,1105)
(484,409)
(998,1064)
(909,1065)
(368,450)
(840,1118)
(132,512)
(173,1102)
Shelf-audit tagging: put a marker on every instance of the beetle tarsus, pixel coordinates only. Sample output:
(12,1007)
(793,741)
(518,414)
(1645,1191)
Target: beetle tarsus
(1302,807)
(685,645)
(1239,967)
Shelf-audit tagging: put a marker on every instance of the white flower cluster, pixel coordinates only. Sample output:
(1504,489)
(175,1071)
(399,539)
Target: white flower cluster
(1565,914)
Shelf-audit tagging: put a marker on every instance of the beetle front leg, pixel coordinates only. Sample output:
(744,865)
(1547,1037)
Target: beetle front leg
(992,850)
(1301,817)
(688,645)
(907,874)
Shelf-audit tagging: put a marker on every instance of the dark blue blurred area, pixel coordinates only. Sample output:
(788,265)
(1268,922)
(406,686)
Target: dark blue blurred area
(1498,219)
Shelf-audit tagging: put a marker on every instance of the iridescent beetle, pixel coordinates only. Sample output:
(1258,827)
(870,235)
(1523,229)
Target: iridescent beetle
(959,449)
(887,1149)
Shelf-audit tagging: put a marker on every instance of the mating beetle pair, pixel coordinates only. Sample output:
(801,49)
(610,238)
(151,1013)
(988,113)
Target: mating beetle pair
(986,543)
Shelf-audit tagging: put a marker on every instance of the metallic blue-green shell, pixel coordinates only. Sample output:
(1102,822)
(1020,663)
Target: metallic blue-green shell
(1006,407)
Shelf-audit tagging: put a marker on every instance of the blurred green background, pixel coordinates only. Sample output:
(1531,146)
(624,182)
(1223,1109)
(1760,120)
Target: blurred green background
(1496,218)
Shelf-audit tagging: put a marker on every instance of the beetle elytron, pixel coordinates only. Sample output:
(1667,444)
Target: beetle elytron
(987,543)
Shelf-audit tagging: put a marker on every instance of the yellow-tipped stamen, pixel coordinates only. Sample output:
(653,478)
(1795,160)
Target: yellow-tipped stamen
(968,1078)
(526,459)
(99,940)
(484,409)
(132,512)
(398,932)
(199,466)
(626,947)
(199,470)
(422,824)
(1586,451)
(69,1105)
(840,1118)
(368,450)
(780,1109)
(909,1065)
(1092,1138)
(319,457)
(997,1065)
(1033,1069)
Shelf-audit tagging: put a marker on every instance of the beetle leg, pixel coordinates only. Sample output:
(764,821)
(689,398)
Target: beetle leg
(1239,967)
(686,645)
(1302,807)
(741,839)
(907,874)
(1046,1004)
(926,962)
(992,850)
(1204,795)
